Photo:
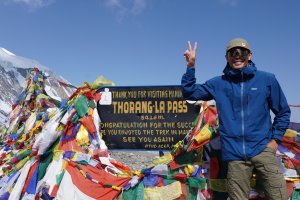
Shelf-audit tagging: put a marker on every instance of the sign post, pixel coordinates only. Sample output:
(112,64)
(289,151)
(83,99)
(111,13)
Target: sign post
(149,118)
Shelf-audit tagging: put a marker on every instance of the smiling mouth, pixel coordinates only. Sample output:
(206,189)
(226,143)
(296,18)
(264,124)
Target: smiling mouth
(238,61)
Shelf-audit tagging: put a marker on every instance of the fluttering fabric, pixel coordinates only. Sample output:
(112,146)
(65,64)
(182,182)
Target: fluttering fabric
(54,149)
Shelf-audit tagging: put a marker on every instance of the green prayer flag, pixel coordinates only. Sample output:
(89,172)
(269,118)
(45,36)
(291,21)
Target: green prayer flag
(196,120)
(196,182)
(136,193)
(186,158)
(81,106)
(169,180)
(59,177)
(83,162)
(24,154)
(75,119)
(192,193)
(92,104)
(172,172)
(296,194)
(45,160)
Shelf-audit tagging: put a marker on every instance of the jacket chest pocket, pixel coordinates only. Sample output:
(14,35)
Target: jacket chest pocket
(232,103)
(257,101)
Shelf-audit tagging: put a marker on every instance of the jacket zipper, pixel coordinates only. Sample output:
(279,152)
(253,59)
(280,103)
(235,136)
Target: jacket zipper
(243,116)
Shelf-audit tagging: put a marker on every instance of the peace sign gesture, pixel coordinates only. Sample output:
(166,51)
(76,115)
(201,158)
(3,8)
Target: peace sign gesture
(190,55)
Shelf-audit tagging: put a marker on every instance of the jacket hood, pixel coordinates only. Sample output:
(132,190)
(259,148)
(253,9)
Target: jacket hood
(248,72)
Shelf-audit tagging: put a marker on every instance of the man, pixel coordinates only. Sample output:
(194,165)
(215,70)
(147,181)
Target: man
(244,97)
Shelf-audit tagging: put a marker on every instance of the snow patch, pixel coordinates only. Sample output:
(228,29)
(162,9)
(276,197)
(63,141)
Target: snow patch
(8,59)
(7,52)
(50,92)
(69,94)
(5,107)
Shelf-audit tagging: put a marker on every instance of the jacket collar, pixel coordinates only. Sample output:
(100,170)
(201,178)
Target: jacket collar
(248,72)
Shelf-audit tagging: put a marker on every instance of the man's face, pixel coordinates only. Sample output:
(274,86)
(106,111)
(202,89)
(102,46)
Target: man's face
(238,57)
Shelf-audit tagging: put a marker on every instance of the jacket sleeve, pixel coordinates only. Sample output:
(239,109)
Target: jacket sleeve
(280,108)
(193,91)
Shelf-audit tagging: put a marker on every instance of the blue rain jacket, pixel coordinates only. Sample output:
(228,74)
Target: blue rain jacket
(244,99)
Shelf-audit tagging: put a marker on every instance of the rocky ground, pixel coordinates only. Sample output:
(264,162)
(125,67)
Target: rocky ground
(136,160)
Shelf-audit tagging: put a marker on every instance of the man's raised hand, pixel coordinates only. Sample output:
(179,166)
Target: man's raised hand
(190,54)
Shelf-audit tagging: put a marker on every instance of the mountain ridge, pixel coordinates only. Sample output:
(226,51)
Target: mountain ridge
(13,73)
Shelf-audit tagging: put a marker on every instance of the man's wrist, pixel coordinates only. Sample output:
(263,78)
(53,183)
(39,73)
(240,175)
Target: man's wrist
(190,65)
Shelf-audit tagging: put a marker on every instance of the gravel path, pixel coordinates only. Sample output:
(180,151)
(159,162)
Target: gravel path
(136,160)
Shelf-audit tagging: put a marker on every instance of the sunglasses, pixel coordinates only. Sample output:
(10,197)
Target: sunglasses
(240,52)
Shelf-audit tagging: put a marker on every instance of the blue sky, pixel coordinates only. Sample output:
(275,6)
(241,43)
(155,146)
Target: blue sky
(141,42)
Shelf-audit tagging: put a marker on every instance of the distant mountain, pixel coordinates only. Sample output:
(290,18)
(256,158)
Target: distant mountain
(13,71)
